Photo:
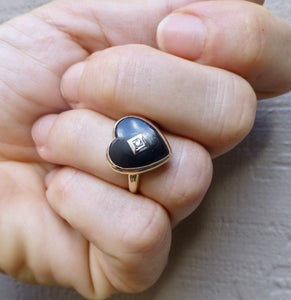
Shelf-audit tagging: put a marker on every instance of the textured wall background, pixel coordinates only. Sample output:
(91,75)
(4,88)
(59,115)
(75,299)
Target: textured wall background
(237,245)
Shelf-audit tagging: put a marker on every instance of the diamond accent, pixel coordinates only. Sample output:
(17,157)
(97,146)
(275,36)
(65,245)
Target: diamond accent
(137,144)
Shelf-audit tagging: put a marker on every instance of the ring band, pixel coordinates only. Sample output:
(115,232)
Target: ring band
(133,181)
(137,147)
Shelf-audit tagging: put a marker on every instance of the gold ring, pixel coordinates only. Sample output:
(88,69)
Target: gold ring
(137,147)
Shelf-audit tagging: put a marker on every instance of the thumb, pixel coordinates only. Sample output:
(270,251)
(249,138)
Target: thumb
(98,24)
(238,36)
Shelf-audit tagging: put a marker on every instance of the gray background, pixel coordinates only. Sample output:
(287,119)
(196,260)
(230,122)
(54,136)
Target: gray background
(237,245)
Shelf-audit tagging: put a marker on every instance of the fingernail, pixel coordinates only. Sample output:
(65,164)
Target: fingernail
(182,35)
(70,82)
(41,129)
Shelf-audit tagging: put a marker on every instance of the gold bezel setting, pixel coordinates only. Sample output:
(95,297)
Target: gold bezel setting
(145,144)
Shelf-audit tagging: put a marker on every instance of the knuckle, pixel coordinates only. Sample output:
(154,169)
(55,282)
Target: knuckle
(193,177)
(109,64)
(121,69)
(62,187)
(248,102)
(149,233)
(118,68)
(237,111)
(72,125)
(60,125)
(246,109)
(253,22)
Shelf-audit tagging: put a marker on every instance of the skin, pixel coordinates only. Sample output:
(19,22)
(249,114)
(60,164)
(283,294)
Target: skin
(78,226)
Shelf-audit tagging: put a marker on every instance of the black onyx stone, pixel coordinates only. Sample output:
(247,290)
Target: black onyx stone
(137,144)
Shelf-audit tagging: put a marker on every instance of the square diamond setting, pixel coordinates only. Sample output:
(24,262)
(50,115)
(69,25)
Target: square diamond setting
(137,144)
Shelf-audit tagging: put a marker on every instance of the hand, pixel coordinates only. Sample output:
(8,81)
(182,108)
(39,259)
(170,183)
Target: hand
(136,79)
(37,244)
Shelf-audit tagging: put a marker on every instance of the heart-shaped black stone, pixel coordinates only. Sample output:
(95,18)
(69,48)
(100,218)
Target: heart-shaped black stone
(138,146)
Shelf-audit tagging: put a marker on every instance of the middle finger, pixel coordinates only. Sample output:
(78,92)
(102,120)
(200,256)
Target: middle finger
(208,105)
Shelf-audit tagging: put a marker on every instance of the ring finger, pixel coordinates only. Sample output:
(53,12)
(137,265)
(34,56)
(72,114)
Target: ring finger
(79,138)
